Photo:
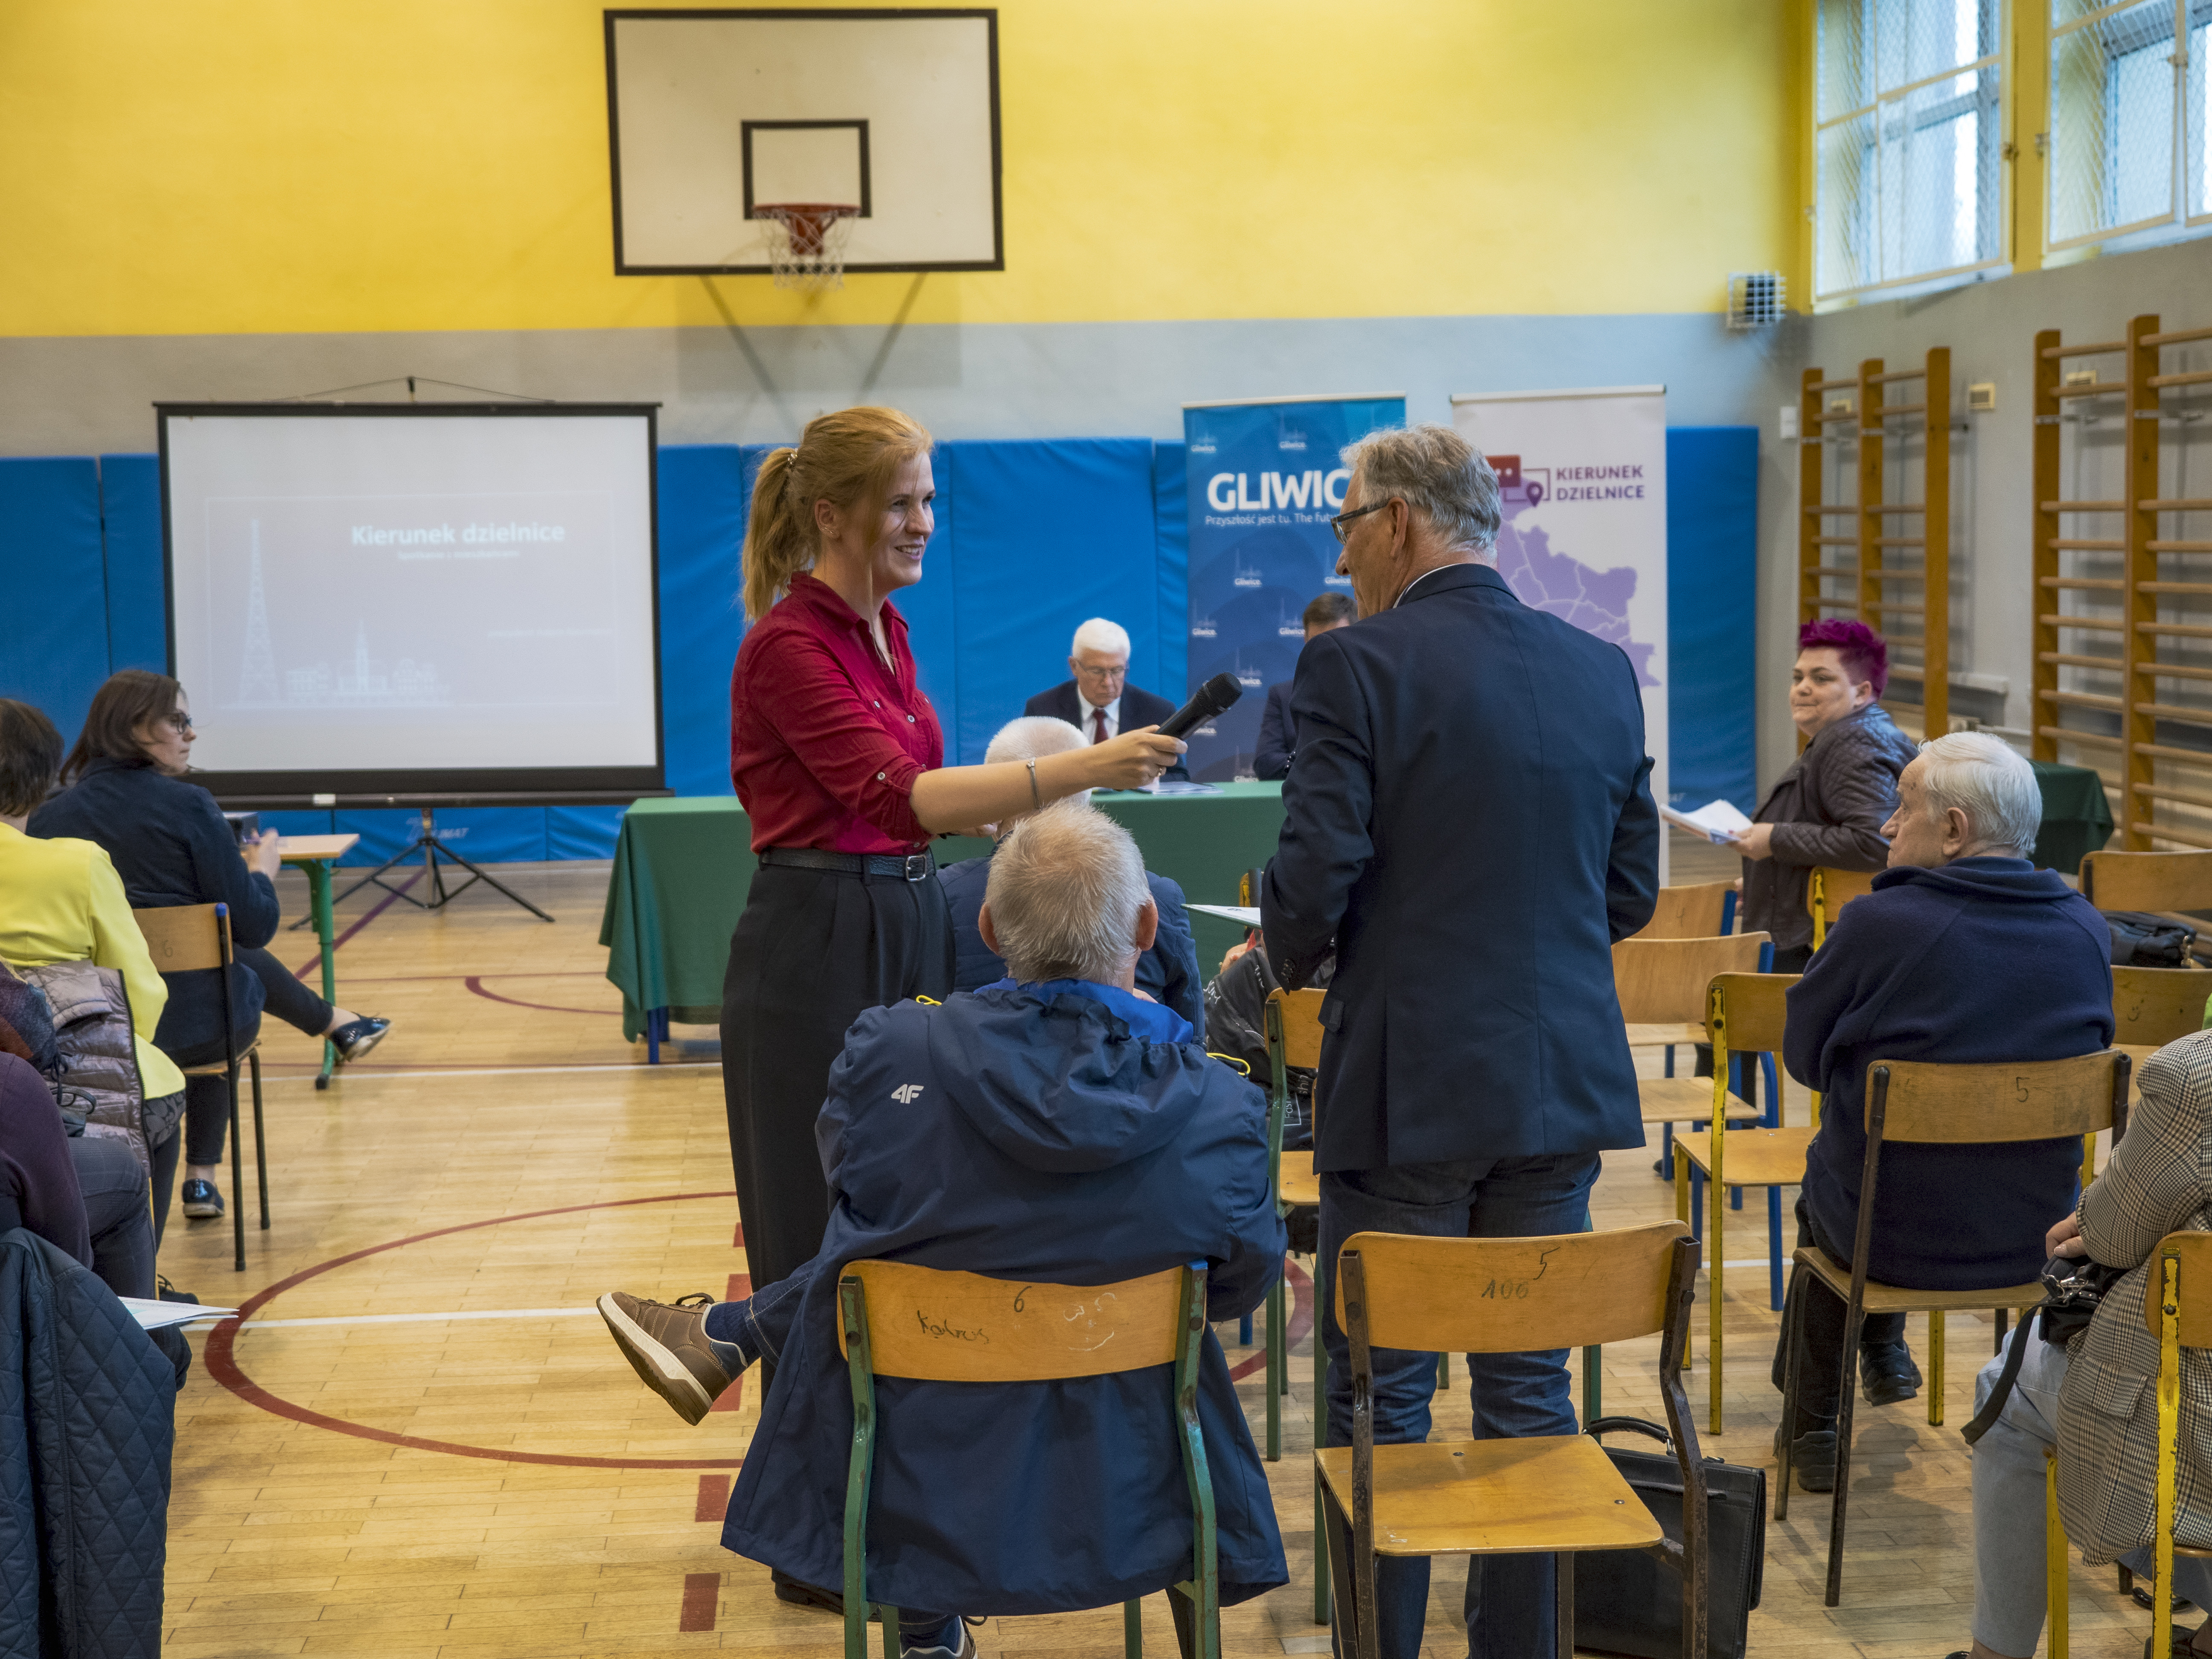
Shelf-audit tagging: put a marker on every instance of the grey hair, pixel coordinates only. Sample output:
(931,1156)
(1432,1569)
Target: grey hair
(1032,738)
(1984,777)
(1436,472)
(1065,892)
(1100,634)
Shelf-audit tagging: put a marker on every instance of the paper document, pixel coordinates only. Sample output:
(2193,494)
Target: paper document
(1178,787)
(1249,914)
(159,1316)
(1717,821)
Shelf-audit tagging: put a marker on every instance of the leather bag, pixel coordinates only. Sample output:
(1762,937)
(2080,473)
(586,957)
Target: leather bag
(1630,1602)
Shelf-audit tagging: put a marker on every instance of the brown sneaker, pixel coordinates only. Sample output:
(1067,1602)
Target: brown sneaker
(667,1345)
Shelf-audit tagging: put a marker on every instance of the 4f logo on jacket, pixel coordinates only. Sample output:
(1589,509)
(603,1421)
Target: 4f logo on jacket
(907,1093)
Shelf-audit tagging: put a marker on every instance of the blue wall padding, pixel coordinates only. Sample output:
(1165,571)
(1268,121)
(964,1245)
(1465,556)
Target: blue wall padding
(1171,534)
(1712,564)
(53,642)
(130,526)
(932,622)
(704,492)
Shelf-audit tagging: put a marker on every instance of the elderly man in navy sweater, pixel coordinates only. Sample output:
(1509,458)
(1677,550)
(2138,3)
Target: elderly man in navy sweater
(1057,1127)
(1964,953)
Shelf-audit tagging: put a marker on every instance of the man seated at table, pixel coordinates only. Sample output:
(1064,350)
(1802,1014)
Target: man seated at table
(1278,732)
(1099,702)
(1167,973)
(1964,953)
(1054,1127)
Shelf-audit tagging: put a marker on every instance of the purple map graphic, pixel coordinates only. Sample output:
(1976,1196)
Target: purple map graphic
(1596,601)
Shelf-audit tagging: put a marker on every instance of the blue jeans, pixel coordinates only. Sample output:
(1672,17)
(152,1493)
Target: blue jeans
(1508,1608)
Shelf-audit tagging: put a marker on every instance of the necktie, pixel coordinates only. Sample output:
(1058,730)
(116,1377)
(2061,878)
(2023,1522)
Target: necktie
(1098,726)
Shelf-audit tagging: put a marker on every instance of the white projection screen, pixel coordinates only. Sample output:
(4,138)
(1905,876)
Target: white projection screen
(414,600)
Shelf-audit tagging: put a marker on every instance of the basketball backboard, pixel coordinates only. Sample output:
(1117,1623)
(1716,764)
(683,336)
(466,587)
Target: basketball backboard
(714,115)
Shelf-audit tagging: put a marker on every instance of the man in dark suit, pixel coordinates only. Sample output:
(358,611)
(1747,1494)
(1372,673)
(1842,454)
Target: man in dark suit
(1470,820)
(1099,702)
(1278,733)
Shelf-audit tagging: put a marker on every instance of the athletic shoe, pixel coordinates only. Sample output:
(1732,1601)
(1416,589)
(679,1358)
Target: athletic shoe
(202,1201)
(356,1038)
(667,1345)
(953,1643)
(1889,1374)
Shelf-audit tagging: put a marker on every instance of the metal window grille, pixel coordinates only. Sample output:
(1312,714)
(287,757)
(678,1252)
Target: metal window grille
(2128,145)
(1909,128)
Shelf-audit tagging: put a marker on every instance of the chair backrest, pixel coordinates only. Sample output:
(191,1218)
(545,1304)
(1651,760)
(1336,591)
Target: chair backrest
(2147,881)
(1247,888)
(1745,1011)
(1828,889)
(183,938)
(1662,982)
(2026,1100)
(1696,912)
(1296,1014)
(940,1326)
(2194,1253)
(1511,1295)
(2152,1006)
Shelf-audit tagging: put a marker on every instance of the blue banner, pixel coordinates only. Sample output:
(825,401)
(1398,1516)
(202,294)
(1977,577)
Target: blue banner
(1264,479)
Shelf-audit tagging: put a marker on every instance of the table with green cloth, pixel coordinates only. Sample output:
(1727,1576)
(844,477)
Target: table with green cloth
(2077,819)
(682,867)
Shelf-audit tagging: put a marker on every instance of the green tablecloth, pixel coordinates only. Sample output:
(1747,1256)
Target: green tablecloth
(682,867)
(2077,818)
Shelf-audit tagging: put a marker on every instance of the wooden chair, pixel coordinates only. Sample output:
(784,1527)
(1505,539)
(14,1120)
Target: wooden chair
(2147,881)
(2152,1006)
(1827,891)
(1038,1333)
(1558,1494)
(184,939)
(1661,984)
(1292,1023)
(1745,1013)
(1918,1102)
(2178,1311)
(1691,912)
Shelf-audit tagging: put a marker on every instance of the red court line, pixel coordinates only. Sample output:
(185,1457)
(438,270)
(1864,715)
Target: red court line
(315,963)
(703,1592)
(475,982)
(713,1498)
(222,1359)
(1300,1321)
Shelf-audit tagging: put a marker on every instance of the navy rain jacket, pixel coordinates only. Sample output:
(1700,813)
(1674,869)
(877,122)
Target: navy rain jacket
(1986,959)
(1064,1132)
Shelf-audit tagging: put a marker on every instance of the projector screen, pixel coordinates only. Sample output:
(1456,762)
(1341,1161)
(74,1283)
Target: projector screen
(414,598)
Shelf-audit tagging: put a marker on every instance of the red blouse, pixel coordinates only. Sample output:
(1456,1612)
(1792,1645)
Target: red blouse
(826,739)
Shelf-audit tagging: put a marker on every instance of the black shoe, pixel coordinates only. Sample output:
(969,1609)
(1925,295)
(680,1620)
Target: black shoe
(202,1201)
(1889,1374)
(1812,1458)
(354,1040)
(2183,1645)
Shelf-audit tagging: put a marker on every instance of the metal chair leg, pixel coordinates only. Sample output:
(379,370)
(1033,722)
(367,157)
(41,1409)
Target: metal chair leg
(1846,1397)
(237,1180)
(1935,1368)
(889,1616)
(1268,1384)
(1562,1605)
(2054,1557)
(1774,1249)
(1715,1278)
(260,1138)
(1321,1579)
(1443,1372)
(1793,1325)
(1244,1331)
(1133,1629)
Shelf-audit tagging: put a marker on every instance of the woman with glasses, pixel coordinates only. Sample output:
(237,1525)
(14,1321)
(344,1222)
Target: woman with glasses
(126,791)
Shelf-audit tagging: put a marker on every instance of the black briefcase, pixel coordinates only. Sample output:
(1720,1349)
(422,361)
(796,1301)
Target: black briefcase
(1630,1602)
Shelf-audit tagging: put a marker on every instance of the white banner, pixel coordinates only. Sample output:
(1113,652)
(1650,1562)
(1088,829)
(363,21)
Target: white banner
(1583,475)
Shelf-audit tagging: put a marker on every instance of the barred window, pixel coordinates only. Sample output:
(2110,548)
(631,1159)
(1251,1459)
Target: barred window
(2129,146)
(1909,130)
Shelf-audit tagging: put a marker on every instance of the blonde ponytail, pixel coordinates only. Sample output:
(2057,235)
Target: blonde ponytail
(848,459)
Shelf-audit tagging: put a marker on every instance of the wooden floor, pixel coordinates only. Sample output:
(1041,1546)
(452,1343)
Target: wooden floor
(422,1442)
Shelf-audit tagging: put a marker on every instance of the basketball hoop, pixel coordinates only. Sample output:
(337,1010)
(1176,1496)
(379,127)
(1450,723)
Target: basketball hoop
(805,241)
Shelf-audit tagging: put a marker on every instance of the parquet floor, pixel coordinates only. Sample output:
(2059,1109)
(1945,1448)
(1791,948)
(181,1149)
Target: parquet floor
(421,1442)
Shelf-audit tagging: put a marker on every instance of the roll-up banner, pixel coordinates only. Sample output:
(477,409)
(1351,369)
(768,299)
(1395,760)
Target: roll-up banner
(1583,475)
(1265,477)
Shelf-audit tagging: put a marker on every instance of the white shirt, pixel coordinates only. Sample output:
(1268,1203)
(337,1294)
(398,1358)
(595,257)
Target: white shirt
(1089,709)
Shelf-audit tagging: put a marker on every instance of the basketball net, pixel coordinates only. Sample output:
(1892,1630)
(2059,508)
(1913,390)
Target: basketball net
(806,242)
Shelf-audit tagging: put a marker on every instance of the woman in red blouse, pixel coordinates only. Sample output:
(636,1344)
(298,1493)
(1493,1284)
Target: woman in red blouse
(838,760)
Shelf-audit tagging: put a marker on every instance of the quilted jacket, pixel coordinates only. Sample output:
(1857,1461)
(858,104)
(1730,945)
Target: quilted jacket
(87,1422)
(1827,809)
(2158,1182)
(98,1074)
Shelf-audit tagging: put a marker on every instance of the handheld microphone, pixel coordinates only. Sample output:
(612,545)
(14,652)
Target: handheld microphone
(1209,699)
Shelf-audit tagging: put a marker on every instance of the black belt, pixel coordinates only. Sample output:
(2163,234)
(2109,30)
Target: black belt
(909,866)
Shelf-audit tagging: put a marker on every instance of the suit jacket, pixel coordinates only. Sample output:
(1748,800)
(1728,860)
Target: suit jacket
(1140,708)
(1471,820)
(1278,735)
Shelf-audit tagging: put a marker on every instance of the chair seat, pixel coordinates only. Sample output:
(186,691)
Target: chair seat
(1755,1158)
(1496,1497)
(1889,1298)
(1297,1184)
(1664,1036)
(1683,1100)
(219,1069)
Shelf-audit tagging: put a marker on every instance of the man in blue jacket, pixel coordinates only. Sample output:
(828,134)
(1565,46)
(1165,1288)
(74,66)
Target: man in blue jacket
(1056,1126)
(1470,818)
(1964,953)
(1167,972)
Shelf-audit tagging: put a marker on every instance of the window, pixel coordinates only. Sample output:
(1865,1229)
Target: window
(1909,130)
(2128,141)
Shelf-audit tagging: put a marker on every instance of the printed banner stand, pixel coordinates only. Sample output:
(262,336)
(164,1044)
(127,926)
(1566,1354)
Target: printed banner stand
(1583,475)
(1264,478)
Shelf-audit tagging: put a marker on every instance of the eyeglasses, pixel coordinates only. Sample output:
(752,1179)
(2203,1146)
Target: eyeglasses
(1103,673)
(1341,522)
(179,724)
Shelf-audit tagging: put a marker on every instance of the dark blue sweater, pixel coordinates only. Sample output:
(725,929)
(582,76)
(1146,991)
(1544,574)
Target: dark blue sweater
(1987,959)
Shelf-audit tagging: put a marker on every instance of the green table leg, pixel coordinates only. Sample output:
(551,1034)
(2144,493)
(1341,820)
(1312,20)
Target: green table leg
(318,872)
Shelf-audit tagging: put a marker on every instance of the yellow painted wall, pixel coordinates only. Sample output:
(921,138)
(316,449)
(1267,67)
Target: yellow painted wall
(284,166)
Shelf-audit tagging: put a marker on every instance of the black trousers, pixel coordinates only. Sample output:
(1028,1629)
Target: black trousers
(287,995)
(1823,1334)
(813,949)
(207,1099)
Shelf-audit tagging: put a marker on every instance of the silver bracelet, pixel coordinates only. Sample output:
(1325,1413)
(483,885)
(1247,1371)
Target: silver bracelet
(1037,801)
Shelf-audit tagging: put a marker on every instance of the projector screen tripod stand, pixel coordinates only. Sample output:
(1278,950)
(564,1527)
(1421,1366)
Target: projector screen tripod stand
(434,853)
